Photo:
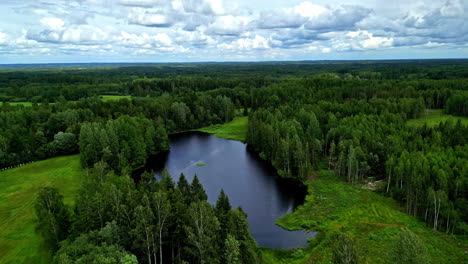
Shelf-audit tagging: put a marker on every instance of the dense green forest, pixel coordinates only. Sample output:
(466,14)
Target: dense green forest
(346,117)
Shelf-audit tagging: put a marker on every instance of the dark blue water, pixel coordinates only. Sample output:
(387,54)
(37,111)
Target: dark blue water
(249,182)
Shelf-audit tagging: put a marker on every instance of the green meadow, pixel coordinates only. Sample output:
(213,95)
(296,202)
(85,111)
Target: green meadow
(433,117)
(235,130)
(19,243)
(106,98)
(371,219)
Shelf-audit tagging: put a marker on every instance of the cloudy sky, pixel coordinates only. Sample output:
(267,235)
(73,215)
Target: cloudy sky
(39,31)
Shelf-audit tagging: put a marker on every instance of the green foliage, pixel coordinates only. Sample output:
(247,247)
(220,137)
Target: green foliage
(231,253)
(201,164)
(121,143)
(64,143)
(344,251)
(53,216)
(95,248)
(408,249)
(198,193)
(457,104)
(202,230)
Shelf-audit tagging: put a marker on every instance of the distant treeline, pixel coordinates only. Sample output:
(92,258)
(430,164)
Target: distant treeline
(35,84)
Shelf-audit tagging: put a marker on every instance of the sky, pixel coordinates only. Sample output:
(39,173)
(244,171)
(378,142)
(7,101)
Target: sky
(74,31)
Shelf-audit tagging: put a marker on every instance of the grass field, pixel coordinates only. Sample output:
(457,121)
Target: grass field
(371,219)
(25,104)
(107,98)
(433,117)
(235,130)
(104,98)
(18,187)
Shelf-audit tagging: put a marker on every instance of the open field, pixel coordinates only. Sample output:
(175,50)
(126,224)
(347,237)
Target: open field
(106,98)
(235,130)
(19,243)
(373,221)
(434,117)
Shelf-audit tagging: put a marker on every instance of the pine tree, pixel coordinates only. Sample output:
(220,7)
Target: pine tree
(184,188)
(198,193)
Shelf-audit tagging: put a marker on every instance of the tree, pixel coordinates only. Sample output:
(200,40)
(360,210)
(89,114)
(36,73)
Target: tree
(238,226)
(222,209)
(231,250)
(53,216)
(64,143)
(344,251)
(202,231)
(96,247)
(162,211)
(185,189)
(144,231)
(408,249)
(198,192)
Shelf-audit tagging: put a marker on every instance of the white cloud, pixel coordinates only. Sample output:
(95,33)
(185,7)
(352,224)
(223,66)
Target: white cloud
(53,23)
(308,9)
(210,28)
(246,44)
(79,34)
(158,41)
(149,17)
(361,40)
(228,25)
(3,38)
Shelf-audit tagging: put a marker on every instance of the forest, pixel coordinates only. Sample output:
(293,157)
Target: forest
(346,118)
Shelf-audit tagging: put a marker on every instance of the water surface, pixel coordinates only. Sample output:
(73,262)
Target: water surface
(249,181)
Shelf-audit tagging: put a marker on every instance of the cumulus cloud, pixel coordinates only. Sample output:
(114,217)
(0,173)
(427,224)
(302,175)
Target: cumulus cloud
(228,25)
(246,44)
(150,17)
(79,34)
(361,40)
(313,17)
(3,38)
(143,3)
(213,27)
(341,18)
(53,23)
(145,40)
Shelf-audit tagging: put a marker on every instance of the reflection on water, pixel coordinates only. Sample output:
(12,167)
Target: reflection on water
(248,181)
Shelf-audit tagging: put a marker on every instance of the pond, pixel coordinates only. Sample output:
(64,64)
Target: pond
(249,181)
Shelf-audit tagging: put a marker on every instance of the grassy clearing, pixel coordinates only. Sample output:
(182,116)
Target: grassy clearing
(433,117)
(371,219)
(25,104)
(19,243)
(106,98)
(235,130)
(201,164)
